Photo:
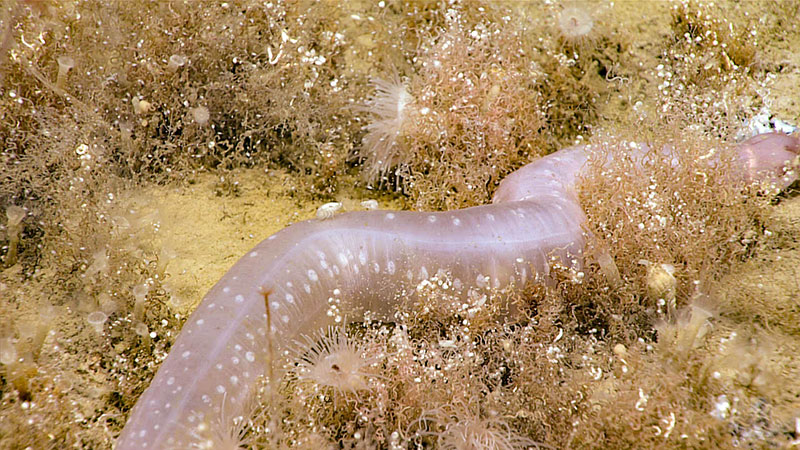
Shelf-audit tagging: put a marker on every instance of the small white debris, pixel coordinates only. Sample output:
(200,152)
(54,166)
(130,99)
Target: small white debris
(642,402)
(369,204)
(327,210)
(721,407)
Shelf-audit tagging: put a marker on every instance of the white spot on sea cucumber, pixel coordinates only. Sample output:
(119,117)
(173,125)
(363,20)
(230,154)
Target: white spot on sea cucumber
(274,305)
(206,399)
(211,306)
(312,275)
(323,263)
(362,258)
(456,221)
(390,216)
(431,218)
(289,284)
(262,331)
(253,254)
(423,273)
(170,381)
(250,336)
(250,356)
(234,380)
(490,216)
(336,269)
(481,280)
(237,347)
(290,298)
(239,298)
(142,433)
(336,291)
(390,267)
(246,374)
(168,406)
(200,321)
(186,354)
(356,269)
(342,258)
(219,366)
(271,237)
(285,319)
(376,267)
(220,389)
(226,289)
(409,275)
(307,288)
(235,360)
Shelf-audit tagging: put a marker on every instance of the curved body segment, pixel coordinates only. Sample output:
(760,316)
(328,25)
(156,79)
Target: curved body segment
(307,275)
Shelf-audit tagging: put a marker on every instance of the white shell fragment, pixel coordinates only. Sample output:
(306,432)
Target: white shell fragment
(327,210)
(369,204)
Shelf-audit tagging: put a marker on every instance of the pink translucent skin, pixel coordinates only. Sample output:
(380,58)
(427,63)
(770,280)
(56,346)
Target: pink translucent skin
(366,261)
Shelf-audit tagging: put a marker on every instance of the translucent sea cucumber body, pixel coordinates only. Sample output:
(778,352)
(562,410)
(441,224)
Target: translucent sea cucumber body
(316,270)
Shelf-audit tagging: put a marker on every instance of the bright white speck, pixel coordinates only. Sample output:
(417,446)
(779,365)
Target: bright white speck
(376,267)
(200,321)
(142,433)
(226,289)
(312,275)
(456,221)
(186,354)
(221,389)
(271,237)
(253,254)
(170,381)
(234,380)
(490,217)
(289,298)
(431,218)
(389,216)
(250,356)
(362,258)
(323,263)
(274,305)
(239,298)
(307,288)
(285,319)
(390,267)
(423,273)
(336,291)
(235,360)
(219,366)
(327,210)
(342,258)
(211,306)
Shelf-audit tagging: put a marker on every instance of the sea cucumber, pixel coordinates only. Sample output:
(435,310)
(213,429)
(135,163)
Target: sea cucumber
(315,270)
